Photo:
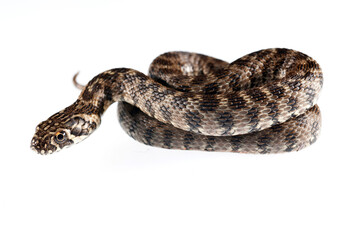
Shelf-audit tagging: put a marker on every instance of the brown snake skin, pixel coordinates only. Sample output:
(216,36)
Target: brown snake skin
(264,102)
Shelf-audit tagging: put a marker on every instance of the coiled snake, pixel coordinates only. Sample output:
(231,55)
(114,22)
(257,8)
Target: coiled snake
(264,102)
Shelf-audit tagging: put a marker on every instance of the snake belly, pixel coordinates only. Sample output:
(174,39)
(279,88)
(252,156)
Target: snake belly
(264,102)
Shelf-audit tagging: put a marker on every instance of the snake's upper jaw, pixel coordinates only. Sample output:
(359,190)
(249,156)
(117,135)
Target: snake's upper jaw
(42,146)
(49,143)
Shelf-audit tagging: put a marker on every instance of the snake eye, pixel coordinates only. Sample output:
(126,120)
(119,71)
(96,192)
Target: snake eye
(60,137)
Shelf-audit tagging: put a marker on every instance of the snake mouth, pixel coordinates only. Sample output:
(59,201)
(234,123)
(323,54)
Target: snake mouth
(41,152)
(41,148)
(37,150)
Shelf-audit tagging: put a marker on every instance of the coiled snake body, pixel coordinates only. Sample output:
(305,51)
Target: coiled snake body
(264,102)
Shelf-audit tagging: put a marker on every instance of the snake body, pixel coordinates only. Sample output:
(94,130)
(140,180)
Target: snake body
(264,102)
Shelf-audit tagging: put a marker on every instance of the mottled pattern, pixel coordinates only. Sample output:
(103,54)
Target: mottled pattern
(263,102)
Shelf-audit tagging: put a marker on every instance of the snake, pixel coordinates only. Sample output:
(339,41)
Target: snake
(263,102)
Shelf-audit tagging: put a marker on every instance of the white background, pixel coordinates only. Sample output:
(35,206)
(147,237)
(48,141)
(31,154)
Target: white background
(111,187)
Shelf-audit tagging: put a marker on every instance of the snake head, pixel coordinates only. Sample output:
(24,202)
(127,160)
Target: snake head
(62,130)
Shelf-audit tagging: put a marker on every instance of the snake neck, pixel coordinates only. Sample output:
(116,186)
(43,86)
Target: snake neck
(108,87)
(127,85)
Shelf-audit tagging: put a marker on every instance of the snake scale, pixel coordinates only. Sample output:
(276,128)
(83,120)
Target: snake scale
(264,102)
